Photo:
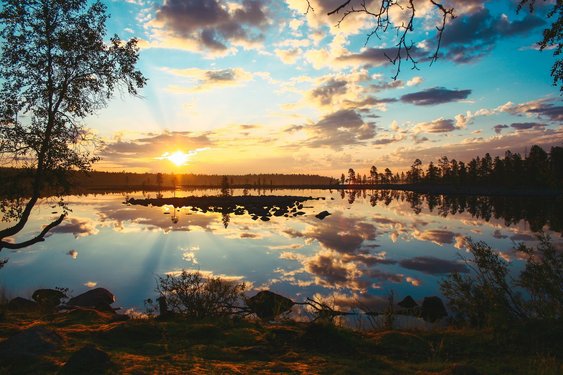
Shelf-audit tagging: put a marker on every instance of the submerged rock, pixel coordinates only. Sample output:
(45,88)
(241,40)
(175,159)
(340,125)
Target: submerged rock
(87,360)
(268,305)
(433,309)
(97,298)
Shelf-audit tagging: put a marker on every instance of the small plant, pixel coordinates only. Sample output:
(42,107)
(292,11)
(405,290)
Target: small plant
(196,296)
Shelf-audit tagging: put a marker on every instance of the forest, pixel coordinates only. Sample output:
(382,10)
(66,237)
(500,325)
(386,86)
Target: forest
(537,168)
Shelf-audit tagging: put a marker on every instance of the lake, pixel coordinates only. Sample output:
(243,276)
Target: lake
(371,243)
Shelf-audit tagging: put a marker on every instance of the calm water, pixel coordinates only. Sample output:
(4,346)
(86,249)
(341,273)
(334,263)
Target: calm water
(372,242)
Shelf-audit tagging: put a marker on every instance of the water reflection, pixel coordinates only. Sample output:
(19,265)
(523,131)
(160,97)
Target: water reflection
(373,242)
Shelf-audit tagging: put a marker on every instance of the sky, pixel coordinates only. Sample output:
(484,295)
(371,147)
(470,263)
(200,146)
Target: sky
(265,86)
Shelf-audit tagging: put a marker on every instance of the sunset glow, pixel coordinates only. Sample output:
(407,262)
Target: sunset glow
(295,94)
(178,158)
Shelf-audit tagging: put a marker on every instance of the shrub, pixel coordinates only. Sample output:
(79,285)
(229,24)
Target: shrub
(543,279)
(487,296)
(196,296)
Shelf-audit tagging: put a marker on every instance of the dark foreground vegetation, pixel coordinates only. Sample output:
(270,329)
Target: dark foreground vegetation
(198,324)
(89,341)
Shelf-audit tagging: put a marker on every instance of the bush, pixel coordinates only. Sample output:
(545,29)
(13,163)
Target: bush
(486,296)
(543,279)
(195,296)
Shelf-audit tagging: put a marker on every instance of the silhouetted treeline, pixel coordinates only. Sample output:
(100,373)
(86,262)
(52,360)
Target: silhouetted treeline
(537,211)
(128,180)
(537,169)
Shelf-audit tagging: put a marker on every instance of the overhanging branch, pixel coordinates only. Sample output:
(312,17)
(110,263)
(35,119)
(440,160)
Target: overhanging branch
(39,238)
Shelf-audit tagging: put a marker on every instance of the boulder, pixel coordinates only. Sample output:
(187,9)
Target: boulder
(93,298)
(48,297)
(433,309)
(32,342)
(87,360)
(408,303)
(268,305)
(322,215)
(20,304)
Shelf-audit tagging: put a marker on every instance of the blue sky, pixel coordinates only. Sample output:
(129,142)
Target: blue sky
(258,86)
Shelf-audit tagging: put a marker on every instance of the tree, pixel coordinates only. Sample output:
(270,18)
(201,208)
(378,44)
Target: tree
(351,176)
(225,187)
(537,166)
(432,173)
(373,174)
(342,179)
(444,165)
(55,70)
(415,173)
(405,49)
(388,175)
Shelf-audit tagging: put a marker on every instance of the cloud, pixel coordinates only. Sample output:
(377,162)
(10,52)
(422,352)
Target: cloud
(149,218)
(79,227)
(138,151)
(342,234)
(376,56)
(289,56)
(498,128)
(470,37)
(435,95)
(541,108)
(415,81)
(527,125)
(437,126)
(332,271)
(333,87)
(438,236)
(209,79)
(432,265)
(338,129)
(212,25)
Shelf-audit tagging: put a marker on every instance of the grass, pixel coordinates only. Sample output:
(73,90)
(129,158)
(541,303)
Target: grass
(240,347)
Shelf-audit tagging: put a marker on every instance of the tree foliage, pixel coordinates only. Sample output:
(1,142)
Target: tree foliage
(56,68)
(487,296)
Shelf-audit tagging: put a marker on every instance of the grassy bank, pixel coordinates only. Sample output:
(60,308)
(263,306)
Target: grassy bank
(140,346)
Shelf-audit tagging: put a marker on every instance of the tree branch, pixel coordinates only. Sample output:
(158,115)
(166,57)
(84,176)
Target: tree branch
(340,7)
(39,238)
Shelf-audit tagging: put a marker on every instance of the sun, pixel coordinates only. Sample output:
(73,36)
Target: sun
(179,158)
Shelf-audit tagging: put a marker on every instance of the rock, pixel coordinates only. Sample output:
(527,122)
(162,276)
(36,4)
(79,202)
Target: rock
(408,303)
(32,342)
(433,309)
(20,304)
(322,215)
(268,305)
(48,297)
(93,298)
(87,360)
